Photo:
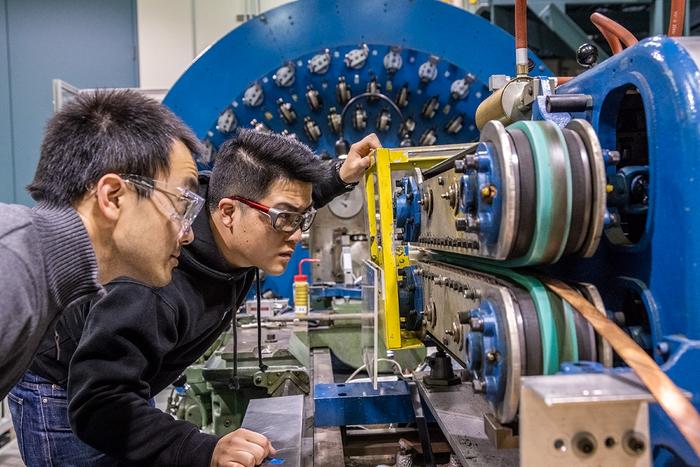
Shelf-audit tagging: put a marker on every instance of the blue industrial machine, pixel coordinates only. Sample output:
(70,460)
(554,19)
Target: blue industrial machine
(399,69)
(591,182)
(513,180)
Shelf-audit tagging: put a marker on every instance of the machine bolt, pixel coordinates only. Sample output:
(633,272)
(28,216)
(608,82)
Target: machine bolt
(662,348)
(491,356)
(460,166)
(441,181)
(460,224)
(472,294)
(612,157)
(472,223)
(488,193)
(471,162)
(476,324)
(479,385)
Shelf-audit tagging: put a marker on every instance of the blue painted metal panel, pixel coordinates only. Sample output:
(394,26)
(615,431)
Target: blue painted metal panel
(254,51)
(345,404)
(7,182)
(665,263)
(89,44)
(667,79)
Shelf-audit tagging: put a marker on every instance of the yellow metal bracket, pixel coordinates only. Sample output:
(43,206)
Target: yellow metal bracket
(388,253)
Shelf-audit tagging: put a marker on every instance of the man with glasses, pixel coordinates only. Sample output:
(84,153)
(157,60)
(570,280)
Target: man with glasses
(91,224)
(134,342)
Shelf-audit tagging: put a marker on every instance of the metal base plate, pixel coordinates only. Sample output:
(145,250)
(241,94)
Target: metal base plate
(460,414)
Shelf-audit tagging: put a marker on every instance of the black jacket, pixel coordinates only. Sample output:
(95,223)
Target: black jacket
(132,343)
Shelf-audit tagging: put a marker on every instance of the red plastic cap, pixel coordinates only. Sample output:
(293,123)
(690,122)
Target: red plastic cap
(301,278)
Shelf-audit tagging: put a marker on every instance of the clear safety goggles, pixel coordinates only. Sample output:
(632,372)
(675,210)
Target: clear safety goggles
(183,205)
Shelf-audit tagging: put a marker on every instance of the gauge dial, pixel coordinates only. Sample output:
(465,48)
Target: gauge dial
(348,204)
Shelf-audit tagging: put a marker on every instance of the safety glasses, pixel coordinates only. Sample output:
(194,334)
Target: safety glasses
(183,206)
(283,221)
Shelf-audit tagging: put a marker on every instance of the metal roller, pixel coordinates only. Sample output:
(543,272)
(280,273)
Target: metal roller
(598,183)
(501,325)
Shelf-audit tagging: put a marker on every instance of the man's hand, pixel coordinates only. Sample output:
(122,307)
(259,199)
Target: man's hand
(358,159)
(242,448)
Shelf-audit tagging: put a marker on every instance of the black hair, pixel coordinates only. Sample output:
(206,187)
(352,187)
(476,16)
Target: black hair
(101,132)
(250,162)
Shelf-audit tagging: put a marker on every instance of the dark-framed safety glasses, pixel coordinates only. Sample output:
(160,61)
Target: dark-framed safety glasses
(183,206)
(282,221)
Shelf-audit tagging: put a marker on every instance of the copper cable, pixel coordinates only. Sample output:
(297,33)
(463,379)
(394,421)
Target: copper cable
(521,58)
(669,396)
(613,40)
(676,22)
(521,24)
(613,32)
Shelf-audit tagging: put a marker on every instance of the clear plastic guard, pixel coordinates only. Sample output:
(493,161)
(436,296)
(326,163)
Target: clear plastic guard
(372,297)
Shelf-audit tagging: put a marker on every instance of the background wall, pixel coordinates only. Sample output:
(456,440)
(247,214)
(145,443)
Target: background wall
(87,43)
(172,33)
(90,44)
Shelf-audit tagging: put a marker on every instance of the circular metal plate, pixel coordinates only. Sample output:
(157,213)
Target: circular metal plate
(560,191)
(507,411)
(527,208)
(531,332)
(563,316)
(553,199)
(597,164)
(495,133)
(590,293)
(582,199)
(585,337)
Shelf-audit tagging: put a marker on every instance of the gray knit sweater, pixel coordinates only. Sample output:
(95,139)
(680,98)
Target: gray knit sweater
(47,264)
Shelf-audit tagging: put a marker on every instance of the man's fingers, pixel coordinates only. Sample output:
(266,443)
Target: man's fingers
(374,141)
(243,458)
(254,437)
(366,144)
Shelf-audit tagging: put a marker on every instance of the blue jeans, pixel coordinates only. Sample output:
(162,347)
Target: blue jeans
(40,416)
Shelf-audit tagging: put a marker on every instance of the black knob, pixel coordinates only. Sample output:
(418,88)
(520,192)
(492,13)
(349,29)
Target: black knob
(587,55)
(341,147)
(460,224)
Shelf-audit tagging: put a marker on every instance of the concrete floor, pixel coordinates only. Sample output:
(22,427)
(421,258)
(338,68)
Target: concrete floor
(9,455)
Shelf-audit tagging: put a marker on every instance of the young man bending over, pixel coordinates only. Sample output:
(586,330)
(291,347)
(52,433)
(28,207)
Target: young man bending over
(137,340)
